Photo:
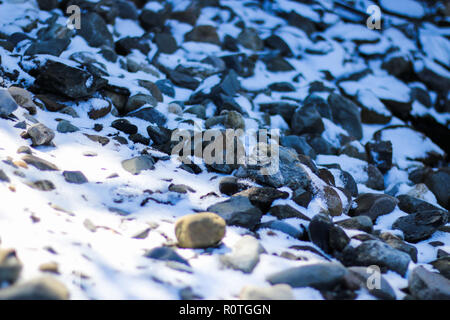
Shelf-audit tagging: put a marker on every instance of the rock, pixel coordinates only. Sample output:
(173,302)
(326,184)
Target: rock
(373,205)
(346,114)
(276,292)
(50,267)
(420,225)
(165,254)
(200,230)
(230,186)
(65,126)
(238,211)
(276,43)
(152,88)
(249,39)
(373,111)
(375,179)
(198,110)
(296,233)
(442,264)
(127,10)
(284,109)
(137,101)
(125,126)
(3,176)
(44,288)
(385,291)
(282,87)
(319,231)
(338,239)
(183,80)
(41,185)
(299,144)
(439,183)
(52,47)
(138,164)
(374,252)
(126,45)
(380,154)
(244,256)
(203,33)
(263,198)
(151,115)
(159,135)
(302,197)
(139,138)
(277,64)
(10,266)
(152,21)
(426,285)
(7,103)
(23,98)
(68,81)
(410,204)
(180,188)
(333,201)
(95,31)
(319,144)
(285,211)
(321,276)
(166,43)
(76,177)
(166,87)
(96,138)
(355,150)
(307,119)
(398,244)
(39,163)
(47,4)
(362,223)
(40,134)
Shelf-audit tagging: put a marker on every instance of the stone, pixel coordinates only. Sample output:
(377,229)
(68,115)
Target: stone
(47,5)
(285,211)
(166,43)
(375,179)
(125,126)
(96,138)
(7,104)
(320,104)
(76,177)
(10,266)
(95,31)
(159,135)
(180,188)
(41,185)
(126,45)
(152,88)
(296,233)
(385,291)
(137,101)
(411,204)
(375,252)
(65,126)
(230,186)
(442,264)
(40,134)
(319,231)
(426,285)
(263,198)
(203,33)
(380,154)
(238,211)
(281,87)
(152,21)
(50,267)
(307,119)
(420,225)
(362,223)
(151,115)
(200,230)
(346,114)
(277,64)
(139,138)
(321,276)
(333,201)
(398,244)
(302,197)
(3,176)
(68,81)
(299,144)
(39,163)
(23,98)
(249,39)
(165,254)
(373,205)
(52,47)
(276,43)
(439,183)
(43,288)
(276,292)
(166,87)
(138,164)
(183,80)
(244,256)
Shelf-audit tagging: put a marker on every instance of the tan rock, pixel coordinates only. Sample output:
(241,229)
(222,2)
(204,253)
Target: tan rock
(200,230)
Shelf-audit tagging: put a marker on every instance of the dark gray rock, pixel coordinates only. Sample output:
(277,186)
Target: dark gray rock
(442,264)
(41,185)
(346,114)
(10,266)
(152,21)
(165,254)
(166,43)
(284,109)
(320,104)
(166,87)
(420,225)
(426,285)
(52,47)
(398,244)
(285,211)
(7,104)
(3,176)
(263,197)
(159,135)
(68,81)
(95,31)
(183,80)
(249,39)
(299,144)
(39,163)
(284,227)
(137,101)
(238,211)
(410,204)
(321,276)
(138,164)
(439,183)
(76,177)
(302,197)
(203,33)
(276,43)
(373,205)
(127,10)
(385,291)
(125,126)
(362,223)
(47,4)
(277,64)
(375,179)
(319,231)
(307,119)
(125,45)
(380,154)
(282,87)
(151,115)
(374,252)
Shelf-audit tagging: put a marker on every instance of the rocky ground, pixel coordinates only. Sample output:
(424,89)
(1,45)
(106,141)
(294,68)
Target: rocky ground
(93,206)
